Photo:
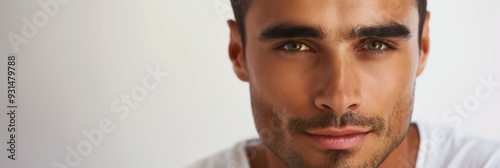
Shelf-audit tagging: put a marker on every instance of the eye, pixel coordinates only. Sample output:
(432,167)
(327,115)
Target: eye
(296,46)
(376,45)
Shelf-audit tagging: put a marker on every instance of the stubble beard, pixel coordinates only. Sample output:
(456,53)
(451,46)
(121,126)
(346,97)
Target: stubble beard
(276,130)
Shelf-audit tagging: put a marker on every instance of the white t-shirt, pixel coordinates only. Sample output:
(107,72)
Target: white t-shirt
(439,148)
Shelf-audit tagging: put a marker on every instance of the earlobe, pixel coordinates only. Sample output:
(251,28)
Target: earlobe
(236,54)
(425,45)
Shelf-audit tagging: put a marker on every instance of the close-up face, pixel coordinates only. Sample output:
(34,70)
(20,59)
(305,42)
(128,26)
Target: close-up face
(331,81)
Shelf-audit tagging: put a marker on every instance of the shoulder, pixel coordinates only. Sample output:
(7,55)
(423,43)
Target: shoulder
(446,147)
(234,157)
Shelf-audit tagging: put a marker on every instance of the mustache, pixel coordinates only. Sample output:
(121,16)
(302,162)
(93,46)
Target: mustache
(328,119)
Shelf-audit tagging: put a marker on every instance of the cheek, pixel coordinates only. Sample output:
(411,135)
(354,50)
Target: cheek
(385,83)
(400,117)
(280,81)
(268,120)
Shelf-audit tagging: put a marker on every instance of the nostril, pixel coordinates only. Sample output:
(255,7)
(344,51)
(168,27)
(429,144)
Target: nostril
(326,107)
(353,107)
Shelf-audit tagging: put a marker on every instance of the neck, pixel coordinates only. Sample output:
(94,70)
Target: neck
(405,154)
(262,157)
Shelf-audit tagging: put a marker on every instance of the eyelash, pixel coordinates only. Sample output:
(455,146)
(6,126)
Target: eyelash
(378,53)
(362,48)
(281,47)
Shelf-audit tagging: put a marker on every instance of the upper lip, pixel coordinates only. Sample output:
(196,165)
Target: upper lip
(337,132)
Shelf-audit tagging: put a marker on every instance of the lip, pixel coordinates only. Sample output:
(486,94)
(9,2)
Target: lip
(338,139)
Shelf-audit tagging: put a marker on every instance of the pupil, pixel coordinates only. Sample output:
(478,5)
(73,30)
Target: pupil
(375,46)
(295,46)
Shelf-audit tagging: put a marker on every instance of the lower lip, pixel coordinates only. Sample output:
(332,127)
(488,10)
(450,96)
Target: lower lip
(338,142)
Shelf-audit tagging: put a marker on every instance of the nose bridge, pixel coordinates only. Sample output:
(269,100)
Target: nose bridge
(339,90)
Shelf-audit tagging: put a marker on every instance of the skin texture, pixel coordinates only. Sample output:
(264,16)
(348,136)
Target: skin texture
(333,80)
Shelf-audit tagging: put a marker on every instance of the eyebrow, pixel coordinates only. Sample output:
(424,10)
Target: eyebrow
(389,29)
(284,31)
(288,31)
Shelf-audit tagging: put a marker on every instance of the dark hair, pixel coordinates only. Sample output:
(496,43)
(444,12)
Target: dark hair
(240,9)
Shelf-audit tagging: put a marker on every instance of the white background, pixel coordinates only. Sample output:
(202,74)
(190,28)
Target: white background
(92,52)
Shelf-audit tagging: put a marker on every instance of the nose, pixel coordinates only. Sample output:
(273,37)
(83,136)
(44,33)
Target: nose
(338,86)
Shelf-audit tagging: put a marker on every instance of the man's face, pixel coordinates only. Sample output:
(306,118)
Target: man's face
(332,82)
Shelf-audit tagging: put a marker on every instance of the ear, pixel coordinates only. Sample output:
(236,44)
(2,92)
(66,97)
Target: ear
(236,52)
(425,45)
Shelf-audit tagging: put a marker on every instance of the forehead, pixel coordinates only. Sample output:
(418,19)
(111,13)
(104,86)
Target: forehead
(330,15)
